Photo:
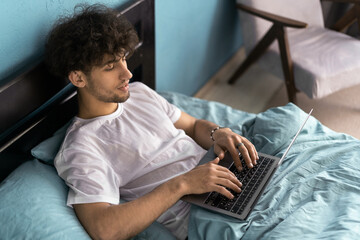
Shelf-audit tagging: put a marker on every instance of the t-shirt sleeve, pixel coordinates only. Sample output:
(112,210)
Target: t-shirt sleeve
(89,179)
(171,110)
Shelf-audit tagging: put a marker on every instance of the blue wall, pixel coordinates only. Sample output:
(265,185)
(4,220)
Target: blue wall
(193,38)
(23,28)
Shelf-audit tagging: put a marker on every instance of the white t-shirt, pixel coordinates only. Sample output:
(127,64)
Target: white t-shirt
(128,153)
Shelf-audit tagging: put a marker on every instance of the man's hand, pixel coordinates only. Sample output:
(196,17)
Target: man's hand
(105,221)
(210,177)
(226,140)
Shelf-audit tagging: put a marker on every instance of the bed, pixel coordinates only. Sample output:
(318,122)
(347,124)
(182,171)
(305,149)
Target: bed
(314,194)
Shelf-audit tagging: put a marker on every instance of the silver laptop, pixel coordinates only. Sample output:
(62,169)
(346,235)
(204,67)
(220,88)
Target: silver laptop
(253,181)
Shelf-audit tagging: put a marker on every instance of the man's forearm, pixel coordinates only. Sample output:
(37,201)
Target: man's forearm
(197,129)
(122,221)
(202,133)
(206,134)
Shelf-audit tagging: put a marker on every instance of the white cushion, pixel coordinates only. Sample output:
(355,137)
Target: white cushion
(325,61)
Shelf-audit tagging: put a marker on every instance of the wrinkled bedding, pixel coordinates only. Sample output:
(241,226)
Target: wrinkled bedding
(315,194)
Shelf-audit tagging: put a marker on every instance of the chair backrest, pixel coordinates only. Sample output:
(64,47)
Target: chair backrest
(253,28)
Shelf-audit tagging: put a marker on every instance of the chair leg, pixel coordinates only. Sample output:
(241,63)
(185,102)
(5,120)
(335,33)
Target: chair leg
(254,55)
(287,64)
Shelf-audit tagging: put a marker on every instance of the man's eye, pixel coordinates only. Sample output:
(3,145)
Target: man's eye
(109,67)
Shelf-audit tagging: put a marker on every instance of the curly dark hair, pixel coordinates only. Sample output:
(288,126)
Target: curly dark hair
(79,42)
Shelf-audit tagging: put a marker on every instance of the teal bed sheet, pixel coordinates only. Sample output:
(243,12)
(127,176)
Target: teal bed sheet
(315,194)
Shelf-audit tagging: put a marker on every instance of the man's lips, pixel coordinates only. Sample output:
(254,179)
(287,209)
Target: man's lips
(124,88)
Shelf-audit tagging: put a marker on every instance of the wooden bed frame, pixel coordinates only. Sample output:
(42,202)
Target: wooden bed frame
(34,104)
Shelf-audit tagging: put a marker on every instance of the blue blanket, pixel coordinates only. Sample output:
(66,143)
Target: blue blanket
(314,194)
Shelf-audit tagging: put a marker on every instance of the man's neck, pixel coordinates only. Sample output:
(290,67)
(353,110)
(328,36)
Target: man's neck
(91,108)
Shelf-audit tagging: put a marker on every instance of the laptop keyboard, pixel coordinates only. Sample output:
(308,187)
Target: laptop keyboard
(250,178)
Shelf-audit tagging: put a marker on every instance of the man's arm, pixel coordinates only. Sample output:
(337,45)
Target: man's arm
(106,221)
(223,139)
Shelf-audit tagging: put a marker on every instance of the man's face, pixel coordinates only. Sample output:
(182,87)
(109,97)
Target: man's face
(109,82)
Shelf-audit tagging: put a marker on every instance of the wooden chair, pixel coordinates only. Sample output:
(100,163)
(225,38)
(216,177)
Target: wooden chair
(349,18)
(313,59)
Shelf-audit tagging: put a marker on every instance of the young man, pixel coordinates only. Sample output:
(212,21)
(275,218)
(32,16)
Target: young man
(127,141)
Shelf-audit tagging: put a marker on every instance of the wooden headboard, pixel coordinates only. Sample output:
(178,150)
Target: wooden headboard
(34,104)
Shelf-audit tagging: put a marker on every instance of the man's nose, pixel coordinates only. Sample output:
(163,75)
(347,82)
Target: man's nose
(125,73)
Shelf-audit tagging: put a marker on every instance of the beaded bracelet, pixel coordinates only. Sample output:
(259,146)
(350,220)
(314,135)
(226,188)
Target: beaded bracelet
(212,132)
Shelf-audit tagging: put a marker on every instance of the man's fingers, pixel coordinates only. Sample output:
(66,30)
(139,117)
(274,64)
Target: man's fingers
(219,179)
(228,141)
(223,191)
(248,151)
(219,151)
(223,185)
(230,183)
(245,153)
(253,154)
(216,160)
(221,174)
(228,175)
(234,152)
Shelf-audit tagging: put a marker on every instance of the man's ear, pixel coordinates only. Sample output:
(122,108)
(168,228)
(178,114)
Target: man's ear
(77,78)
